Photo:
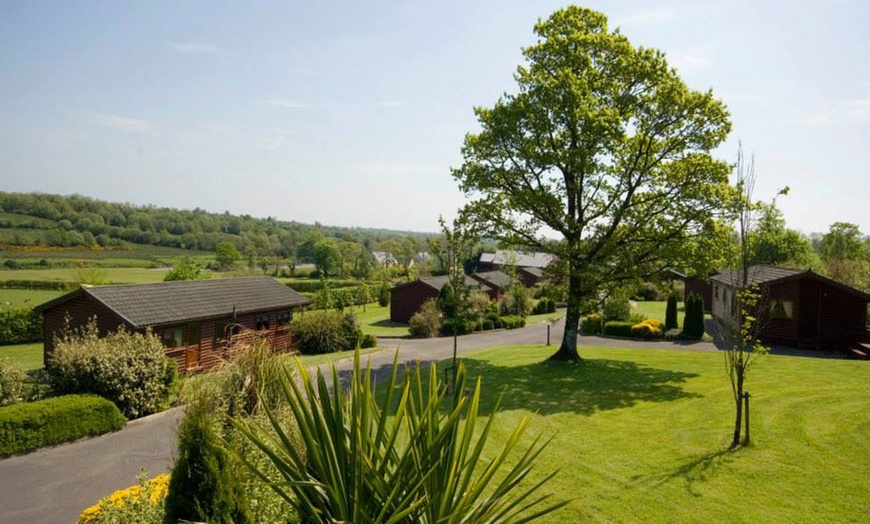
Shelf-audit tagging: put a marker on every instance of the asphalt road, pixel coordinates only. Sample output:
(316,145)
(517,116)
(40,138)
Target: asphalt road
(54,485)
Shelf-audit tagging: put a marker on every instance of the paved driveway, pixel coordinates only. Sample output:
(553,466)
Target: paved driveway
(55,485)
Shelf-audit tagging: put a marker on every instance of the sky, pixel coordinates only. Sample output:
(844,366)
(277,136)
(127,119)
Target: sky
(352,113)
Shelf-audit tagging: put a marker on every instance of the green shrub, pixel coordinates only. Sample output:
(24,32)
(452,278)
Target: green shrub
(517,301)
(426,322)
(487,325)
(591,324)
(319,332)
(130,369)
(384,295)
(671,313)
(203,486)
(693,322)
(616,328)
(19,326)
(457,326)
(11,382)
(140,504)
(513,321)
(32,425)
(617,306)
(369,341)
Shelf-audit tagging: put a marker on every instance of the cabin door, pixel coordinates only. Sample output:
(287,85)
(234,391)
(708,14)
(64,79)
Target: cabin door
(191,353)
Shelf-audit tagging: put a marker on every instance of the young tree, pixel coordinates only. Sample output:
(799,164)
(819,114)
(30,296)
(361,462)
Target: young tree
(187,269)
(227,254)
(740,336)
(604,145)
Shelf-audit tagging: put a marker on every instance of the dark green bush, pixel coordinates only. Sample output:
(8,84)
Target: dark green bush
(37,284)
(19,326)
(487,325)
(130,369)
(693,322)
(384,295)
(513,321)
(671,313)
(318,332)
(204,486)
(455,326)
(369,341)
(616,328)
(591,324)
(32,425)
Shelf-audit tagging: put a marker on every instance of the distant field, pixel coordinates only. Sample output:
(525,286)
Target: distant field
(26,297)
(120,275)
(136,251)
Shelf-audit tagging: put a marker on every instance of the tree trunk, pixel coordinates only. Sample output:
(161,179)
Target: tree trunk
(568,349)
(738,404)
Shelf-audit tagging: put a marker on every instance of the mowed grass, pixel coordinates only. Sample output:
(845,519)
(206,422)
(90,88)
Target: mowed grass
(28,356)
(26,297)
(642,435)
(655,309)
(375,320)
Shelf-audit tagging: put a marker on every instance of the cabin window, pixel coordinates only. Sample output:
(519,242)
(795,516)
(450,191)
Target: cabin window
(220,330)
(781,309)
(284,318)
(193,334)
(173,337)
(716,291)
(262,322)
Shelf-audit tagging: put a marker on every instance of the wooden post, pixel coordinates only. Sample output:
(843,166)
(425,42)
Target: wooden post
(548,333)
(746,411)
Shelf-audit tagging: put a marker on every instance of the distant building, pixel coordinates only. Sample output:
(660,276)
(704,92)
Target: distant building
(196,319)
(518,259)
(803,309)
(406,299)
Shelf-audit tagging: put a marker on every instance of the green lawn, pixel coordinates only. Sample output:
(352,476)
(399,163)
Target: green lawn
(28,356)
(642,434)
(375,320)
(26,297)
(655,310)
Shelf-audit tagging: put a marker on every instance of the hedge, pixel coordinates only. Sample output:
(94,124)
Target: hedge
(591,324)
(32,425)
(513,321)
(37,284)
(313,286)
(618,329)
(19,326)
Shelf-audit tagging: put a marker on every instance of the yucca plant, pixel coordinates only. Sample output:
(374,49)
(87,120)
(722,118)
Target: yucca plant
(409,456)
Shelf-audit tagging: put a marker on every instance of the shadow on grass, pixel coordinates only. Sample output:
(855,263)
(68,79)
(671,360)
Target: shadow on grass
(696,470)
(387,323)
(595,385)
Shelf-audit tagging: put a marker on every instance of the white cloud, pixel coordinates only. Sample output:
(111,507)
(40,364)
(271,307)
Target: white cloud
(286,104)
(857,110)
(195,48)
(650,17)
(692,61)
(839,112)
(123,123)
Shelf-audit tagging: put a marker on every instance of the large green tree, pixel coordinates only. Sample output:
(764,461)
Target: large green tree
(602,145)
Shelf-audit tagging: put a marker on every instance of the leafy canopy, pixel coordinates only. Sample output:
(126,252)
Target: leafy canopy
(602,145)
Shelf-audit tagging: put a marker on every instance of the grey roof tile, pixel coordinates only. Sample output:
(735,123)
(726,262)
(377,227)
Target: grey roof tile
(171,302)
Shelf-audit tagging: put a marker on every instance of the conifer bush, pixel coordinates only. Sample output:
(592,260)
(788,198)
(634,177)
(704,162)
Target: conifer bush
(671,313)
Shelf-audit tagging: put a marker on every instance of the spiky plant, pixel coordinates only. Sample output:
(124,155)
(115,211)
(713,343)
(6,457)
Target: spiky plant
(409,455)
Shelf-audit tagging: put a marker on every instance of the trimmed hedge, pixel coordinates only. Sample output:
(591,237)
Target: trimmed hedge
(368,341)
(37,284)
(591,324)
(513,321)
(449,325)
(32,425)
(19,326)
(616,328)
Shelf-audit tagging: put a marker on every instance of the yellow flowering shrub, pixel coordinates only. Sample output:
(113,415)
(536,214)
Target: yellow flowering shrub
(140,500)
(649,328)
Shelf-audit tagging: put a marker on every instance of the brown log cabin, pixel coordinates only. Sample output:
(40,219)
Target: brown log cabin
(196,319)
(802,309)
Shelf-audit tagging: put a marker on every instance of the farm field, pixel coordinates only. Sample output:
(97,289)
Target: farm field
(112,275)
(26,297)
(642,434)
